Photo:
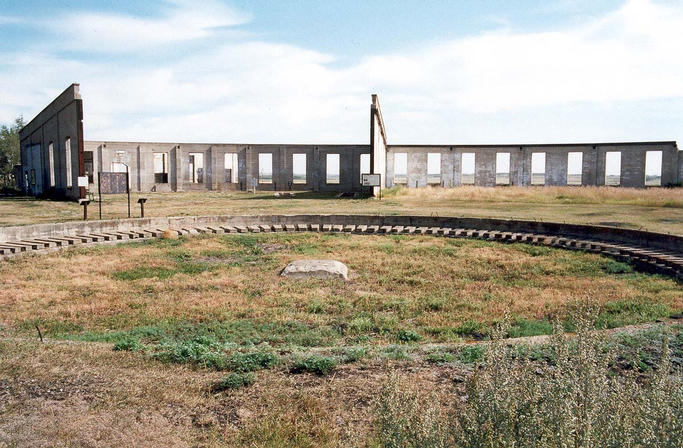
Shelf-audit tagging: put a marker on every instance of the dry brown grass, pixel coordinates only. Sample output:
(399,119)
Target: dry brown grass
(426,284)
(656,209)
(652,197)
(87,395)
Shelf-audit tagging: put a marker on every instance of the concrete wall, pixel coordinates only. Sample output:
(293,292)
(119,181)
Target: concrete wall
(139,156)
(378,143)
(600,233)
(556,163)
(62,119)
(59,122)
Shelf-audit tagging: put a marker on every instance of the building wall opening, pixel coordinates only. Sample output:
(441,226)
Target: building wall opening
(51,162)
(332,169)
(67,152)
(613,168)
(299,168)
(265,168)
(197,167)
(118,165)
(160,168)
(653,168)
(231,170)
(89,165)
(503,168)
(401,168)
(434,168)
(538,168)
(574,168)
(467,168)
(364,165)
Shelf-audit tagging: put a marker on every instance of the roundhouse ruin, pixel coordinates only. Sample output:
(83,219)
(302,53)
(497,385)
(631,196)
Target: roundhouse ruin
(54,156)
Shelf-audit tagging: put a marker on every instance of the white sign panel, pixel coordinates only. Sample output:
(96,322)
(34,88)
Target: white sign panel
(83,181)
(371,180)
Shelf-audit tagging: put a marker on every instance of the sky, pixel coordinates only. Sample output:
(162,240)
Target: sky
(302,71)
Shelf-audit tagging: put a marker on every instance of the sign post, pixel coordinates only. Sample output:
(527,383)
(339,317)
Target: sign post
(372,180)
(99,191)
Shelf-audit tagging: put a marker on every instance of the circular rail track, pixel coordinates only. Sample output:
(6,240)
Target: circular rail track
(647,251)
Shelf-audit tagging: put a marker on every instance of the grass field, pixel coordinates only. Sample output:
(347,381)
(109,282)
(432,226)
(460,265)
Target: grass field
(654,209)
(199,342)
(403,289)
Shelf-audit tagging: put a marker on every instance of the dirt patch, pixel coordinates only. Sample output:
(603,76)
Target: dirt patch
(268,248)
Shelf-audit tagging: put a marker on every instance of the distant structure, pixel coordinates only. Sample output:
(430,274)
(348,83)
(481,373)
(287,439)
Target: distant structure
(54,155)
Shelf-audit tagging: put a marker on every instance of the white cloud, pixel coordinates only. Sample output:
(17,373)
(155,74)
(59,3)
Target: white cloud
(599,80)
(181,20)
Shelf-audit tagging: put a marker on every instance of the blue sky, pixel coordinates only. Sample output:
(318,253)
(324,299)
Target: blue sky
(302,71)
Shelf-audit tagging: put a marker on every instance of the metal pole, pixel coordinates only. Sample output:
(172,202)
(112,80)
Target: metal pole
(99,191)
(128,189)
(85,211)
(142,209)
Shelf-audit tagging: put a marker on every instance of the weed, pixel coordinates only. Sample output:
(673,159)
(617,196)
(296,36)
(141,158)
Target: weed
(249,362)
(617,267)
(316,307)
(407,336)
(577,400)
(320,365)
(235,380)
(440,357)
(529,327)
(354,354)
(471,354)
(129,345)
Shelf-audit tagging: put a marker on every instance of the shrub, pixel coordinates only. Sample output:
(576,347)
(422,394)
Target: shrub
(405,418)
(471,328)
(249,362)
(578,400)
(320,365)
(440,357)
(199,351)
(471,354)
(407,336)
(128,345)
(235,380)
(354,354)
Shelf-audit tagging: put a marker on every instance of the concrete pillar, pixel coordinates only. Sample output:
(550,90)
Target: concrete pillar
(318,172)
(633,168)
(672,166)
(176,168)
(138,169)
(457,168)
(485,168)
(417,169)
(242,177)
(447,162)
(389,182)
(556,167)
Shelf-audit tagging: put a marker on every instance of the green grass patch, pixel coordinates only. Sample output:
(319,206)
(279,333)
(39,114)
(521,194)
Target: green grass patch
(407,336)
(630,312)
(471,354)
(529,327)
(235,380)
(319,365)
(128,345)
(440,357)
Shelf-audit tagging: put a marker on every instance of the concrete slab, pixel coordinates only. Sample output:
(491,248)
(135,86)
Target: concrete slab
(316,269)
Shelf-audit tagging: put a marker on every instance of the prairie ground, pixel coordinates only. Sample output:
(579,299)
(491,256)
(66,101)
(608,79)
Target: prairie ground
(402,289)
(655,209)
